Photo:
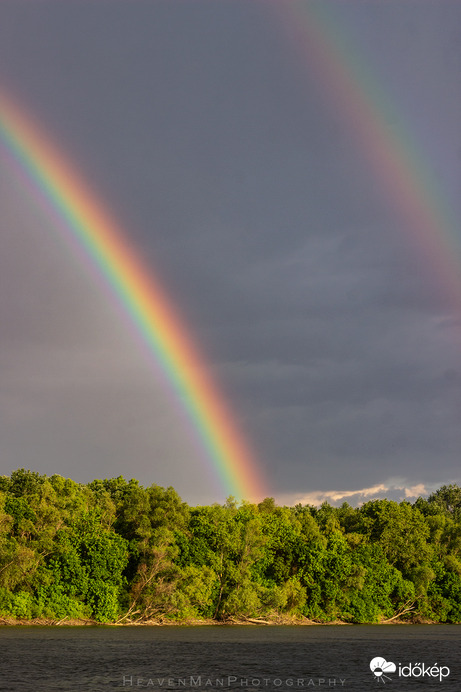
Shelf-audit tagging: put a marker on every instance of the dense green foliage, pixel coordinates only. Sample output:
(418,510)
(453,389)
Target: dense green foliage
(115,551)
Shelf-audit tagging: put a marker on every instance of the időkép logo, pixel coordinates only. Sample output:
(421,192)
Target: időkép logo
(382,668)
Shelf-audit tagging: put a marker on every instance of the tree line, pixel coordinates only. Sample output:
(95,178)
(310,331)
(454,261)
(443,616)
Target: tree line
(114,551)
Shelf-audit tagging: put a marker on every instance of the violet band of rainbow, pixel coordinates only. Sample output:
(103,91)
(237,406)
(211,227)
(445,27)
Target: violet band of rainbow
(150,311)
(398,161)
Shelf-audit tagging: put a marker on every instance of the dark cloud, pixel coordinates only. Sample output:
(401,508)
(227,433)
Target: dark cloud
(209,139)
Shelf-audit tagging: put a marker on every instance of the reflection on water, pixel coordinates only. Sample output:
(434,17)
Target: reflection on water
(92,659)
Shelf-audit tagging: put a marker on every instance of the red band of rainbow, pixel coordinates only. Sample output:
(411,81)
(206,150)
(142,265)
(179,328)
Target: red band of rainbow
(138,291)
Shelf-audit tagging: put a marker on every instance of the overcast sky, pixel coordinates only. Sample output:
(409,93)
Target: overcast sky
(203,128)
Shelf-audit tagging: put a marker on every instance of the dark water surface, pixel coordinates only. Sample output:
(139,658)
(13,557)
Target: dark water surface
(93,659)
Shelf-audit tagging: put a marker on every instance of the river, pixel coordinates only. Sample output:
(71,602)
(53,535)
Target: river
(94,659)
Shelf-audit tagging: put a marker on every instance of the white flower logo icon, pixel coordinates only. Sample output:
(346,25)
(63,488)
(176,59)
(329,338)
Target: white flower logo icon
(380,667)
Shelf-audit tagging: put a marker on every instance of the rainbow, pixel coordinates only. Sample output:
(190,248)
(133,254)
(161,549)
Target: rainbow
(405,176)
(144,301)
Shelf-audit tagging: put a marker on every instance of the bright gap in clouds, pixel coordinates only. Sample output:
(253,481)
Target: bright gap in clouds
(396,489)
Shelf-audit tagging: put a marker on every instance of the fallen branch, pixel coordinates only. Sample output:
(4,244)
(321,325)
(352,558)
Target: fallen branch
(408,607)
(61,620)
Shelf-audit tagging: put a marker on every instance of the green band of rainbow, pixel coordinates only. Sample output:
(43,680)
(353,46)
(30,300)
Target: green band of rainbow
(143,299)
(355,94)
(398,162)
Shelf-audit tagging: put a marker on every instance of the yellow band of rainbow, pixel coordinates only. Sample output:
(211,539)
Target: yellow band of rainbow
(143,299)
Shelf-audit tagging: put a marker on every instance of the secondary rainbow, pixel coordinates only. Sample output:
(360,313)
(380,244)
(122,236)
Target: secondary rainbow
(140,294)
(402,169)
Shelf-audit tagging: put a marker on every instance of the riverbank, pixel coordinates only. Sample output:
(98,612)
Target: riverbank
(165,622)
(160,622)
